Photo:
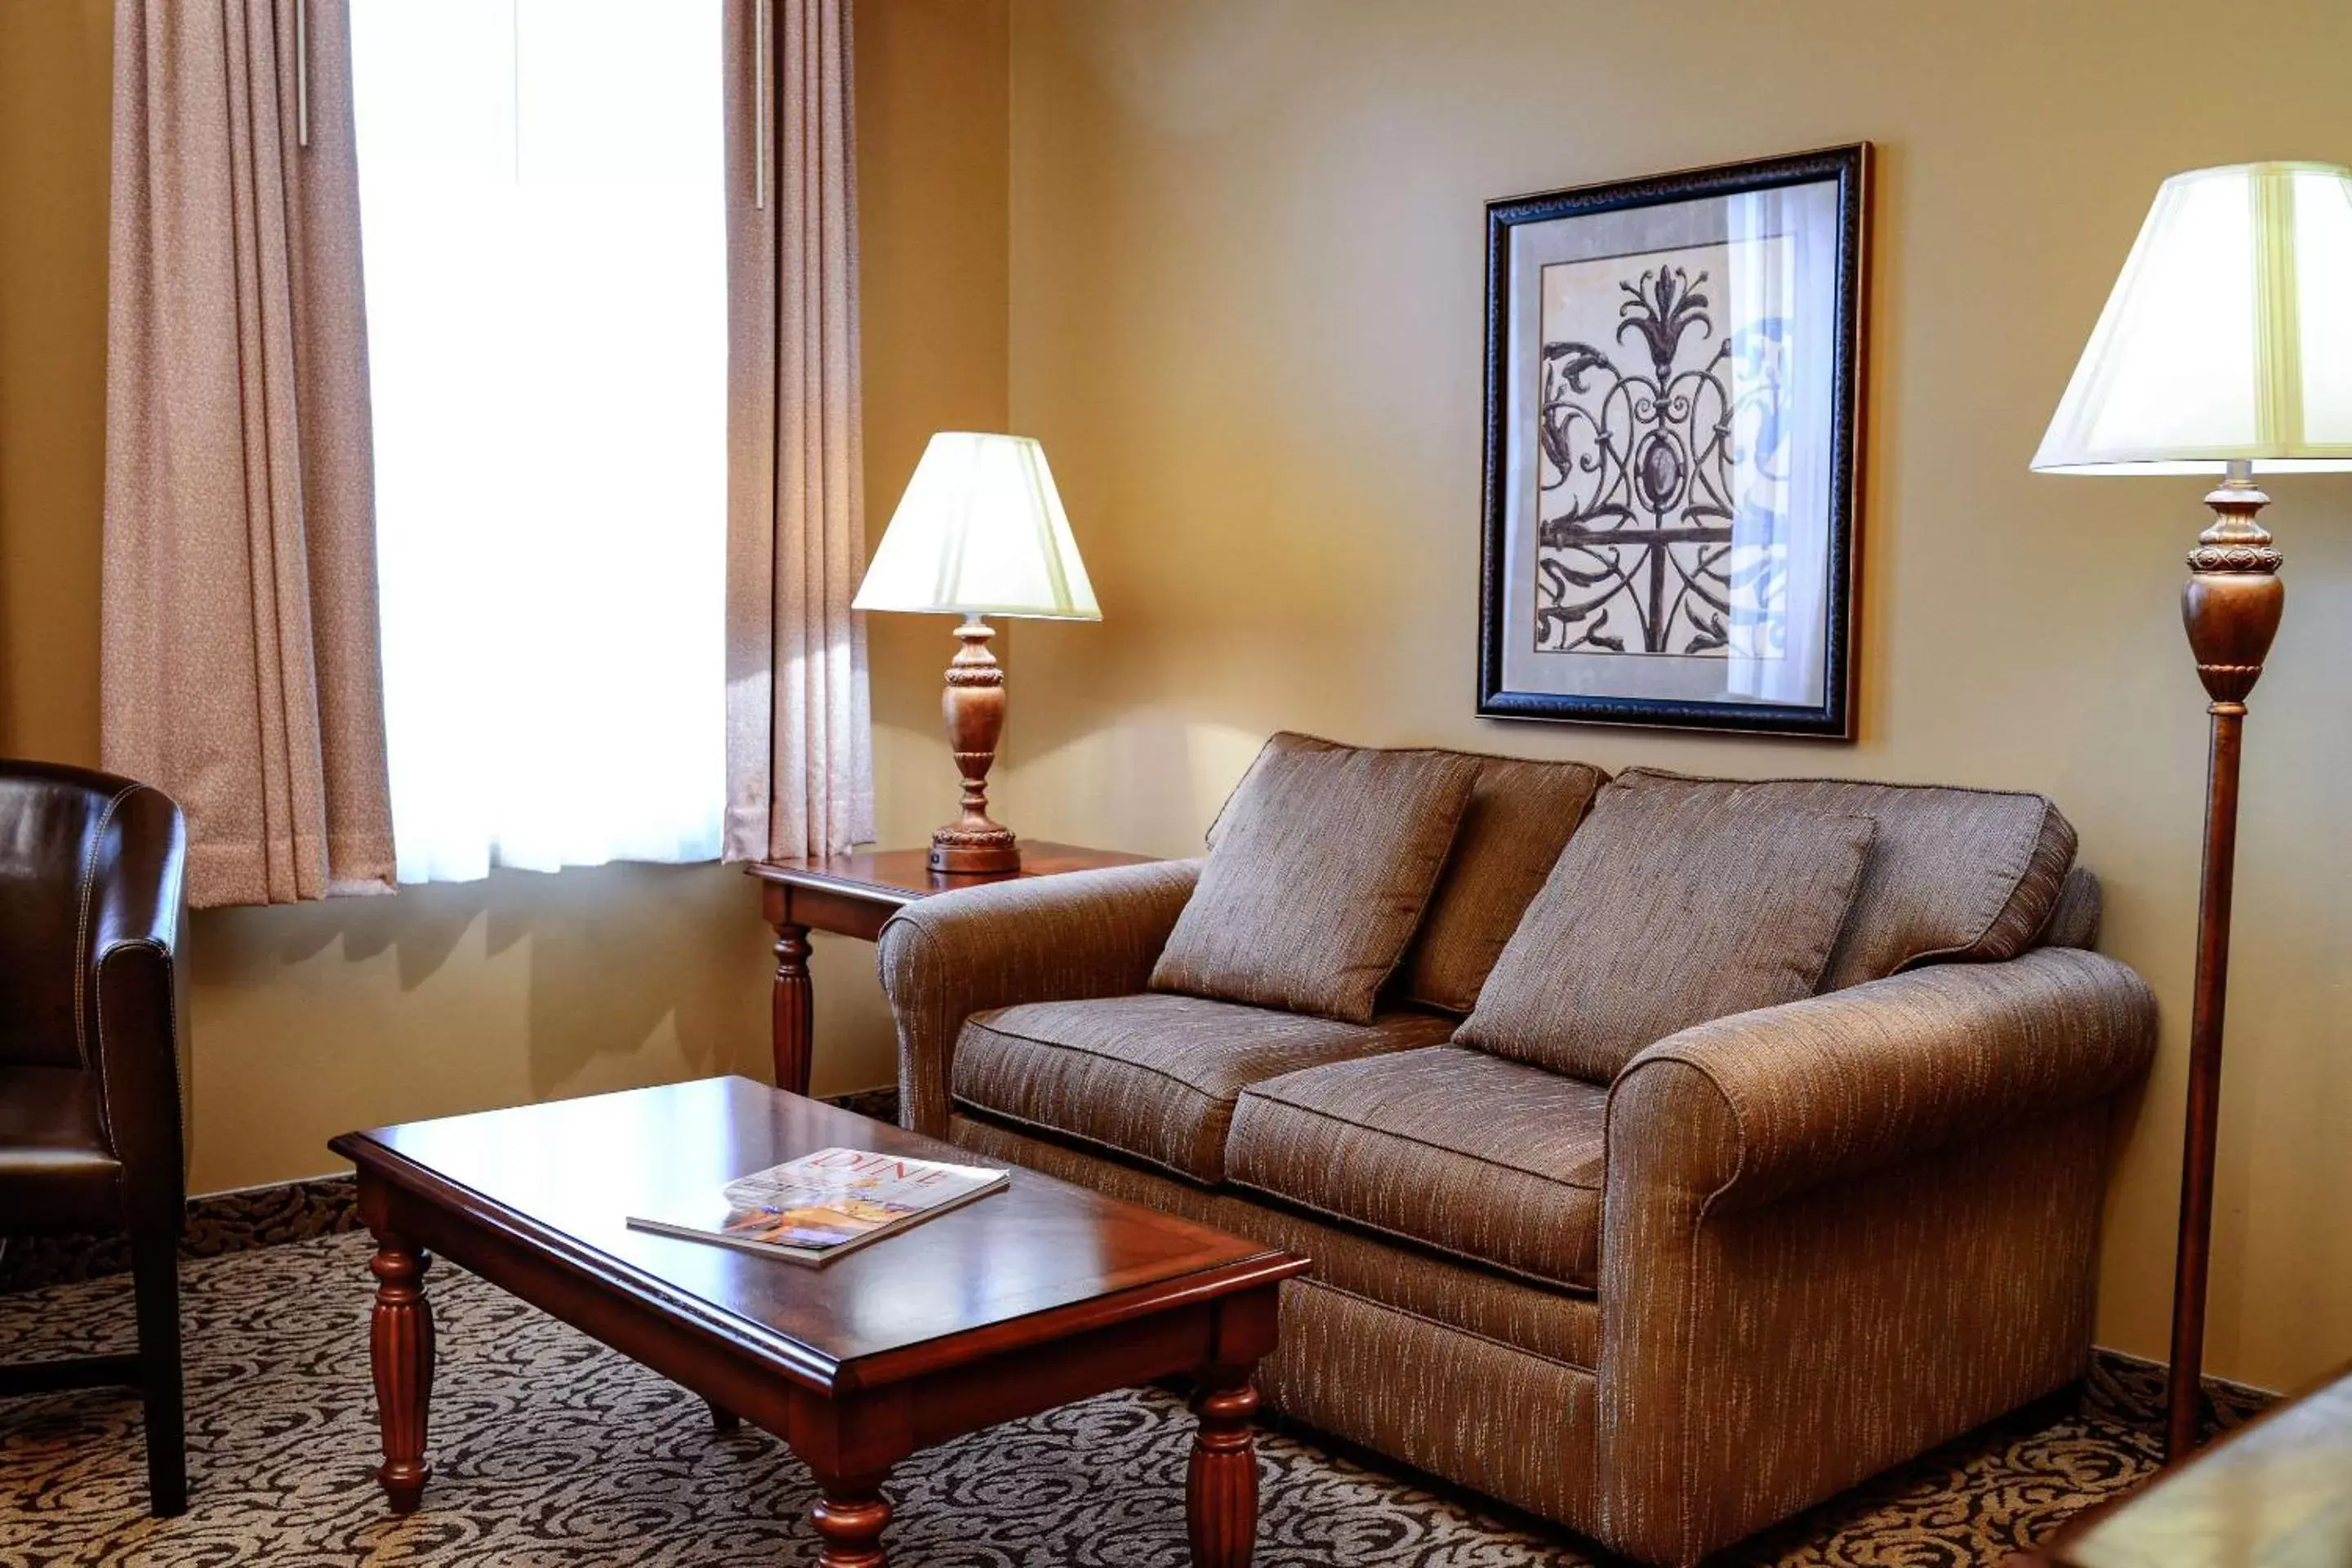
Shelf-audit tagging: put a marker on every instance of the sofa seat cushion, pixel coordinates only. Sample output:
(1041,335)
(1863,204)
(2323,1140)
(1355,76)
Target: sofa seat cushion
(1482,1158)
(1153,1077)
(1542,1319)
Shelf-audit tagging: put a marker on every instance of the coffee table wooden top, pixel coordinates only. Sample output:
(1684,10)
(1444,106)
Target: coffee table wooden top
(1035,1263)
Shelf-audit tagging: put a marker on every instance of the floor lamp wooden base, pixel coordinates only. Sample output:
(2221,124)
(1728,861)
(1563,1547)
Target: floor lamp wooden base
(974,845)
(2230,606)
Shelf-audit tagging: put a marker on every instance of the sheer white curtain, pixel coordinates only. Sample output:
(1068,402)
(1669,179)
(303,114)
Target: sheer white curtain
(542,214)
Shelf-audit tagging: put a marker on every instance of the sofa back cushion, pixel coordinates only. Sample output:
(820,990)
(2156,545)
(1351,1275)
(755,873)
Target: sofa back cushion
(1519,817)
(1967,874)
(1321,865)
(1668,909)
(2074,914)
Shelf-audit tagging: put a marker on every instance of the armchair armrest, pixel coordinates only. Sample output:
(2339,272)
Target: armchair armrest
(1835,1086)
(133,905)
(1042,938)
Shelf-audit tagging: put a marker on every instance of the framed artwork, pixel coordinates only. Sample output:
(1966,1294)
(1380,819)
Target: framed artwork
(1674,430)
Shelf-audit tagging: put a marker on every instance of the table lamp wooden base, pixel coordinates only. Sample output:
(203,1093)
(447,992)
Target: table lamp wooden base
(974,844)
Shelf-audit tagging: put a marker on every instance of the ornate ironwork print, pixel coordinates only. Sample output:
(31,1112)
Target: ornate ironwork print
(1664,486)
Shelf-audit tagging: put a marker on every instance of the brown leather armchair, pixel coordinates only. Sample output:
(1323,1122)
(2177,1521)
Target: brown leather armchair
(90,908)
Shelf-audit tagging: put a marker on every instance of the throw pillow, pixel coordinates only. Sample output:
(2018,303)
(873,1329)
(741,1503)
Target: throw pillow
(1666,910)
(1324,859)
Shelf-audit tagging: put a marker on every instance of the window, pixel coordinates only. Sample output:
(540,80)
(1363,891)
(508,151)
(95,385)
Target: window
(543,233)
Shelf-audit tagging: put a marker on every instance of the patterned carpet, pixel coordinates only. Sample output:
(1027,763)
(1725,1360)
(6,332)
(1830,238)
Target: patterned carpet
(550,1452)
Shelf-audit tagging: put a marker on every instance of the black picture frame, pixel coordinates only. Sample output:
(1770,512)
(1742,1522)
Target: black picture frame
(1849,169)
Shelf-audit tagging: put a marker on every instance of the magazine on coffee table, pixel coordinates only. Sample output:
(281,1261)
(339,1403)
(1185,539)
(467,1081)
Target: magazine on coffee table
(821,1206)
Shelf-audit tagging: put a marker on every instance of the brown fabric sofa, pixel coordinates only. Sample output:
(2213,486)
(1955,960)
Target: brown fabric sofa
(1777,1252)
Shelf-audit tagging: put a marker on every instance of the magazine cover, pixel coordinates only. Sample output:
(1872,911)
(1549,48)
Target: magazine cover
(825,1204)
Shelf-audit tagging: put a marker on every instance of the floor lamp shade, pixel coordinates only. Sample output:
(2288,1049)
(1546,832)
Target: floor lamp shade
(2226,345)
(2228,337)
(980,531)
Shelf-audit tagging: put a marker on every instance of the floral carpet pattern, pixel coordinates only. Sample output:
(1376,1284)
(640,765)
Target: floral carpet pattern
(550,1452)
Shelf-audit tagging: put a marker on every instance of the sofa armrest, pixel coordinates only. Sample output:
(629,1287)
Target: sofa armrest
(1833,1086)
(1040,939)
(1838,1232)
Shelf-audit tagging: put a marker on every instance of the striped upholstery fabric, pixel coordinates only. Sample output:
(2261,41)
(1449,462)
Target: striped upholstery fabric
(1519,815)
(1557,1325)
(1845,1231)
(1668,909)
(1324,861)
(1153,1075)
(2075,918)
(1483,1381)
(1757,1363)
(1954,873)
(1519,820)
(1035,939)
(1484,1415)
(1835,1088)
(1485,1159)
(1829,1234)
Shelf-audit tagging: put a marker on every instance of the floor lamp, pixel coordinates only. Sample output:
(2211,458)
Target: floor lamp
(2227,344)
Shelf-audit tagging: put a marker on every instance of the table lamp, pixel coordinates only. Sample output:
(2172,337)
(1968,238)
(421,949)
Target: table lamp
(980,531)
(2226,345)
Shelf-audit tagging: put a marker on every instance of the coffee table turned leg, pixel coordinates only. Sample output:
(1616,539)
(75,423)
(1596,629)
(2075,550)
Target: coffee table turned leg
(1221,1486)
(401,1347)
(850,1515)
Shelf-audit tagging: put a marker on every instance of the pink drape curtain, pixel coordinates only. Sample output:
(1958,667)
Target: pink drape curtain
(799,729)
(241,671)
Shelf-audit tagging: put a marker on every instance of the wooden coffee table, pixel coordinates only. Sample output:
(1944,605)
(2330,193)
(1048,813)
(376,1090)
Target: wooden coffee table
(1025,1299)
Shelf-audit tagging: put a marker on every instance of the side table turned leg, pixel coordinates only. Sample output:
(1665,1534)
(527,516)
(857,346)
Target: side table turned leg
(401,1349)
(850,1516)
(795,1007)
(1221,1485)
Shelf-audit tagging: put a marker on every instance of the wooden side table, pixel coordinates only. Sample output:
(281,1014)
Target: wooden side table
(854,895)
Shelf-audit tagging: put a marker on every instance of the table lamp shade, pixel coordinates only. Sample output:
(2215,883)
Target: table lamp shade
(2228,337)
(980,531)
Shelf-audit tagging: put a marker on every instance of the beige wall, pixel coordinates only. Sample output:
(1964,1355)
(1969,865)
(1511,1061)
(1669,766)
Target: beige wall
(54,63)
(306,1021)
(1246,296)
